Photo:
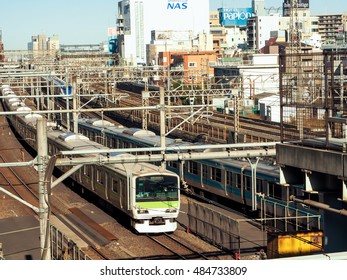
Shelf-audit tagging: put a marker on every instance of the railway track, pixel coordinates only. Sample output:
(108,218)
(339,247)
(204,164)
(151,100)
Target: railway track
(21,189)
(214,127)
(17,186)
(177,249)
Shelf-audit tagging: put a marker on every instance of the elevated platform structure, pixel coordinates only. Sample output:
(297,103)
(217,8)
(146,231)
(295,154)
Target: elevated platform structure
(318,169)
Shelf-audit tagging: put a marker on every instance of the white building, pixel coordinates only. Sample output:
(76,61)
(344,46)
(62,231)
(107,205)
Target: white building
(53,43)
(260,28)
(269,109)
(42,43)
(138,18)
(257,75)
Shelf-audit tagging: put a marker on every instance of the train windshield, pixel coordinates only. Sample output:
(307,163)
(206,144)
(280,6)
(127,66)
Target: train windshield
(156,188)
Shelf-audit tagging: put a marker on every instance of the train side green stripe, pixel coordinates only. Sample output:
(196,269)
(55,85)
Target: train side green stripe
(158,204)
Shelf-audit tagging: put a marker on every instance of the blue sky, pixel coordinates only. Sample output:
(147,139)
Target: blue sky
(86,21)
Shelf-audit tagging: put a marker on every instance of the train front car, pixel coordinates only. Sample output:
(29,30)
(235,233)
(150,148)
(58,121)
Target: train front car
(156,201)
(62,89)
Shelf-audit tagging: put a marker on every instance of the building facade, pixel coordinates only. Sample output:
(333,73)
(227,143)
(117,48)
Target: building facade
(332,28)
(137,19)
(42,43)
(259,30)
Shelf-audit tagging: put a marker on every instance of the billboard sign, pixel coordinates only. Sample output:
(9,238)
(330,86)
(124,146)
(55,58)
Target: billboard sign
(177,4)
(234,16)
(302,5)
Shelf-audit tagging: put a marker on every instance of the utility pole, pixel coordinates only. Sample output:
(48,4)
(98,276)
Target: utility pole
(42,156)
(296,65)
(162,124)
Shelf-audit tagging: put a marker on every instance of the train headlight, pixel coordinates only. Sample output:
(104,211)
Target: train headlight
(142,211)
(171,210)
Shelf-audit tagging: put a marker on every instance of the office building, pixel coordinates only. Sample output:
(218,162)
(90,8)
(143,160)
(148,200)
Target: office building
(137,19)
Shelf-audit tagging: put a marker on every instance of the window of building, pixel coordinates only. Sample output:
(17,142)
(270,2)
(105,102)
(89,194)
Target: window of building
(192,64)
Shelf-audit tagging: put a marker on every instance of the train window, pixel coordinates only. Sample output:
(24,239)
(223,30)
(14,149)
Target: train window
(193,167)
(156,188)
(121,144)
(216,174)
(114,143)
(275,191)
(115,185)
(103,177)
(173,164)
(248,182)
(98,175)
(87,170)
(261,186)
(229,178)
(205,171)
(109,142)
(238,180)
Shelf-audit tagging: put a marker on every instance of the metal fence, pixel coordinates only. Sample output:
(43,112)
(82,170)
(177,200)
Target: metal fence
(216,227)
(285,218)
(63,248)
(244,234)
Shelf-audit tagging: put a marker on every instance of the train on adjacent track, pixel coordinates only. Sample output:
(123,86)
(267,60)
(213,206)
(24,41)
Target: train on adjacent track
(136,86)
(60,87)
(148,194)
(227,180)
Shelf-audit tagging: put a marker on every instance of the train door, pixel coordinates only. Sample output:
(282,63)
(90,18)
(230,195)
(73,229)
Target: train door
(225,180)
(92,169)
(122,193)
(243,184)
(107,185)
(228,183)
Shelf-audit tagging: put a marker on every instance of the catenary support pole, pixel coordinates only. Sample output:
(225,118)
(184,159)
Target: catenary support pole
(42,156)
(162,124)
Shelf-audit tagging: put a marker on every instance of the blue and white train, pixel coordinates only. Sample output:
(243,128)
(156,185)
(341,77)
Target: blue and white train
(60,87)
(146,193)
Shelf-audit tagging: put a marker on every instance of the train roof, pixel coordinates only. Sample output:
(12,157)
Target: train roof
(78,142)
(32,118)
(13,100)
(137,132)
(24,108)
(149,138)
(18,104)
(263,166)
(99,123)
(68,136)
